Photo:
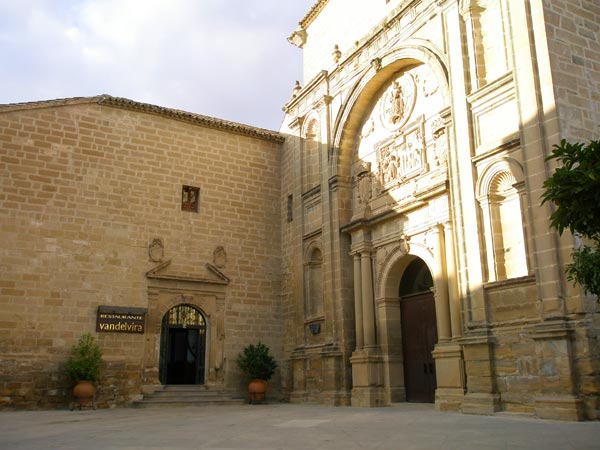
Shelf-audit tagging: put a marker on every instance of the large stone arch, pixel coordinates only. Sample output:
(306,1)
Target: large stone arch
(348,122)
(384,204)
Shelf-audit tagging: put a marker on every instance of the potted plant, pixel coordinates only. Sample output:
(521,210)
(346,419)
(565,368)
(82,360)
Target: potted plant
(258,366)
(83,368)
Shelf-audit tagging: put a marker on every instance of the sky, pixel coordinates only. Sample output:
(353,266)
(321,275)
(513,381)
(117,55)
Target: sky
(222,58)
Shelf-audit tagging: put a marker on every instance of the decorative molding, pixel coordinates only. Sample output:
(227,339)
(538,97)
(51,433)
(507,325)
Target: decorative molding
(376,64)
(336,54)
(312,13)
(298,37)
(156,274)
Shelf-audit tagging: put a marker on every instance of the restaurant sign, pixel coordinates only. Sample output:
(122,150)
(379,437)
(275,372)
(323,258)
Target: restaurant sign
(118,319)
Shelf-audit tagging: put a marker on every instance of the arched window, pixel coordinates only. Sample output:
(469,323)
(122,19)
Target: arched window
(501,197)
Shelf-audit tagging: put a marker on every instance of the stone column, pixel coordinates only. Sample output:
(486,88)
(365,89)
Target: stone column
(484,204)
(358,314)
(449,366)
(442,310)
(367,362)
(471,14)
(452,276)
(368,313)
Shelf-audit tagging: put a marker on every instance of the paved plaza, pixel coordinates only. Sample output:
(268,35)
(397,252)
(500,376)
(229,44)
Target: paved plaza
(284,426)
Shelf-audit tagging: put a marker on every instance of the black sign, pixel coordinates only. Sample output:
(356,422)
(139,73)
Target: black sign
(116,319)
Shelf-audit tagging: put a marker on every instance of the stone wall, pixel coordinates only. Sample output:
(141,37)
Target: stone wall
(85,189)
(573,32)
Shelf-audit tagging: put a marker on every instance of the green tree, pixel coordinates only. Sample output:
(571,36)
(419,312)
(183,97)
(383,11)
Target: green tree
(575,190)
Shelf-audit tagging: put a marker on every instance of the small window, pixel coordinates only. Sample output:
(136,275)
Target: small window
(190,198)
(290,208)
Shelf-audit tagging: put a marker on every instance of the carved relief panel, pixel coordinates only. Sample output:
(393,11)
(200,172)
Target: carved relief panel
(402,157)
(403,138)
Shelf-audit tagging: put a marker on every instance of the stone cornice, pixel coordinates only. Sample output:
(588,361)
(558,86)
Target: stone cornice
(312,13)
(176,114)
(157,273)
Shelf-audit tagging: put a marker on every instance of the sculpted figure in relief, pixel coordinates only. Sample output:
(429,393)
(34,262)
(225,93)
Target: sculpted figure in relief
(398,102)
(389,165)
(440,145)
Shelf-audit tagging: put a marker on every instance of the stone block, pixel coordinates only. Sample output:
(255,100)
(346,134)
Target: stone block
(559,407)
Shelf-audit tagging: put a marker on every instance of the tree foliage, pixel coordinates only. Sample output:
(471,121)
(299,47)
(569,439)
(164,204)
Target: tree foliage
(575,190)
(255,362)
(85,362)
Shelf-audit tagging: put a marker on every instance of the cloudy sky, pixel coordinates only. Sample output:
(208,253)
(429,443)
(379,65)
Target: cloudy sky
(221,58)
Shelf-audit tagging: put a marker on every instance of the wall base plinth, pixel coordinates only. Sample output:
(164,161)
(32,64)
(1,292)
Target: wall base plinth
(481,403)
(559,407)
(367,378)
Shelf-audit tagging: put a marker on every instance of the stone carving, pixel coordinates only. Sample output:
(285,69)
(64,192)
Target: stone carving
(337,54)
(412,157)
(364,188)
(437,127)
(220,257)
(368,128)
(429,84)
(376,64)
(440,144)
(398,102)
(402,158)
(405,244)
(156,250)
(298,37)
(363,171)
(388,165)
(296,90)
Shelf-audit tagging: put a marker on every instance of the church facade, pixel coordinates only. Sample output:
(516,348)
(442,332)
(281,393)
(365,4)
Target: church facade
(388,243)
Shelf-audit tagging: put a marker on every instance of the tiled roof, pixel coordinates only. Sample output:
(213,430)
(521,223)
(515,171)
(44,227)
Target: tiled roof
(176,114)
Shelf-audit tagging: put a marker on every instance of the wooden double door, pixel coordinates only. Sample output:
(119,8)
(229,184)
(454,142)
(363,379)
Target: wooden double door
(419,336)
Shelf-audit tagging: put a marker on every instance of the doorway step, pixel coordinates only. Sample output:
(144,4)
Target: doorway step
(187,395)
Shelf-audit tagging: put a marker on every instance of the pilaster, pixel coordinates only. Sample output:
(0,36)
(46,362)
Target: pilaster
(482,396)
(557,397)
(367,378)
(450,377)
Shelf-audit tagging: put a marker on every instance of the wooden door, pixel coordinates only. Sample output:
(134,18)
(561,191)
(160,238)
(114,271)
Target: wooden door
(183,356)
(419,336)
(183,346)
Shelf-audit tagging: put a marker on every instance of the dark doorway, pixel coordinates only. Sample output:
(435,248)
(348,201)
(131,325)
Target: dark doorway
(183,344)
(419,332)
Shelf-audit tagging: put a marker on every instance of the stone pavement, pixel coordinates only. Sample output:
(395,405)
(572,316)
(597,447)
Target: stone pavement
(287,427)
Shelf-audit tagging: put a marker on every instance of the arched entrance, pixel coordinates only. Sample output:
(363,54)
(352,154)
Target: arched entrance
(183,346)
(419,332)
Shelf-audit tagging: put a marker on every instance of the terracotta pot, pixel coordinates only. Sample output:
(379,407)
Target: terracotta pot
(257,389)
(84,392)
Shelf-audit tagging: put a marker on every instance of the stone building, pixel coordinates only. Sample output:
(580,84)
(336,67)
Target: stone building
(388,243)
(116,207)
